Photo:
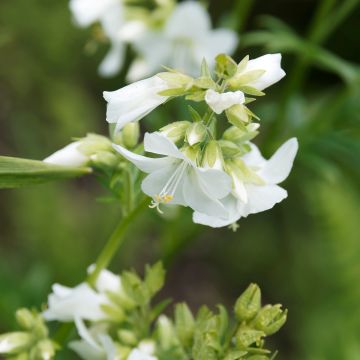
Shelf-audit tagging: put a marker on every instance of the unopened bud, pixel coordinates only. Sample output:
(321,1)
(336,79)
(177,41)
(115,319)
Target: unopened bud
(25,318)
(196,133)
(246,336)
(229,149)
(44,350)
(249,303)
(213,158)
(191,152)
(225,66)
(94,143)
(270,319)
(104,159)
(131,134)
(176,131)
(166,332)
(127,337)
(184,324)
(15,342)
(242,135)
(238,116)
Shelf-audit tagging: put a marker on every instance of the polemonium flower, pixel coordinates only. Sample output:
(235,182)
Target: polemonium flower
(255,184)
(67,304)
(176,179)
(220,102)
(270,64)
(95,343)
(70,155)
(185,40)
(133,102)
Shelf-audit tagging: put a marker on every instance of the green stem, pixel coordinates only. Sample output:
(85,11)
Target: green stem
(114,242)
(242,11)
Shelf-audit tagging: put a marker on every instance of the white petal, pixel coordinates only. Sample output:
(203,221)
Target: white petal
(271,63)
(137,354)
(158,143)
(113,61)
(218,41)
(85,334)
(261,198)
(144,163)
(68,156)
(254,158)
(230,203)
(82,301)
(87,12)
(220,102)
(239,189)
(154,183)
(112,21)
(216,183)
(133,102)
(189,19)
(139,69)
(86,351)
(278,168)
(132,30)
(199,200)
(108,281)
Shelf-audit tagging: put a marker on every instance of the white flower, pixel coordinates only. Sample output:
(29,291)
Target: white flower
(137,354)
(220,102)
(271,63)
(68,156)
(133,102)
(67,304)
(95,343)
(255,186)
(175,179)
(182,44)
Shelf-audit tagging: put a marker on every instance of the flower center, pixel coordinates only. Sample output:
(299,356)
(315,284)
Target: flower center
(168,192)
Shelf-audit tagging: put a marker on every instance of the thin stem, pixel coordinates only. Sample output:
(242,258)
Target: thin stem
(114,242)
(242,11)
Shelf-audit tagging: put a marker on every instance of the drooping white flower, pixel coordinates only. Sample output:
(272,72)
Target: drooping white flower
(176,179)
(271,64)
(186,39)
(133,102)
(68,156)
(95,343)
(137,354)
(220,102)
(67,304)
(255,184)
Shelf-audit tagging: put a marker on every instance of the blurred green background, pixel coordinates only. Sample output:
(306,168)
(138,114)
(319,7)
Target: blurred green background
(305,253)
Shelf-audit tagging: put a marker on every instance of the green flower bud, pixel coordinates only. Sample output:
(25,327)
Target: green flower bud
(196,133)
(25,318)
(44,350)
(246,336)
(226,67)
(192,152)
(240,136)
(104,159)
(127,337)
(94,143)
(249,303)
(213,157)
(270,319)
(184,324)
(166,332)
(15,342)
(238,115)
(229,149)
(176,131)
(131,134)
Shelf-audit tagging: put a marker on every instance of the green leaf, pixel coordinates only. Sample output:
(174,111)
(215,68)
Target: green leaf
(17,172)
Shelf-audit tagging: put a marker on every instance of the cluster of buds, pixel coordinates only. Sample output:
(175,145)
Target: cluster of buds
(117,319)
(32,342)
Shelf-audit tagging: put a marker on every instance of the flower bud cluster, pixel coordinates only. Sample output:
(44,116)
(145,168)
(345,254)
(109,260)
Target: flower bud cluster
(31,342)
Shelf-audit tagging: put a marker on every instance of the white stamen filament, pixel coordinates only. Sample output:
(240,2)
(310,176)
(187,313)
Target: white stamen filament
(168,191)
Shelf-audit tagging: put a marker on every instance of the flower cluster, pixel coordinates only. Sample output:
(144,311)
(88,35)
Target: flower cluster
(222,178)
(116,320)
(157,32)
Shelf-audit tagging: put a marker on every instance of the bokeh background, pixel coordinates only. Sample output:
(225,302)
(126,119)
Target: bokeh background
(305,253)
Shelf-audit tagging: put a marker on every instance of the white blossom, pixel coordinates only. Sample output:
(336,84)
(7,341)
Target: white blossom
(220,102)
(67,304)
(176,179)
(133,102)
(271,64)
(68,156)
(137,354)
(186,39)
(255,184)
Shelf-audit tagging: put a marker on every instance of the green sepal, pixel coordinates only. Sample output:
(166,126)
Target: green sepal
(225,66)
(17,172)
